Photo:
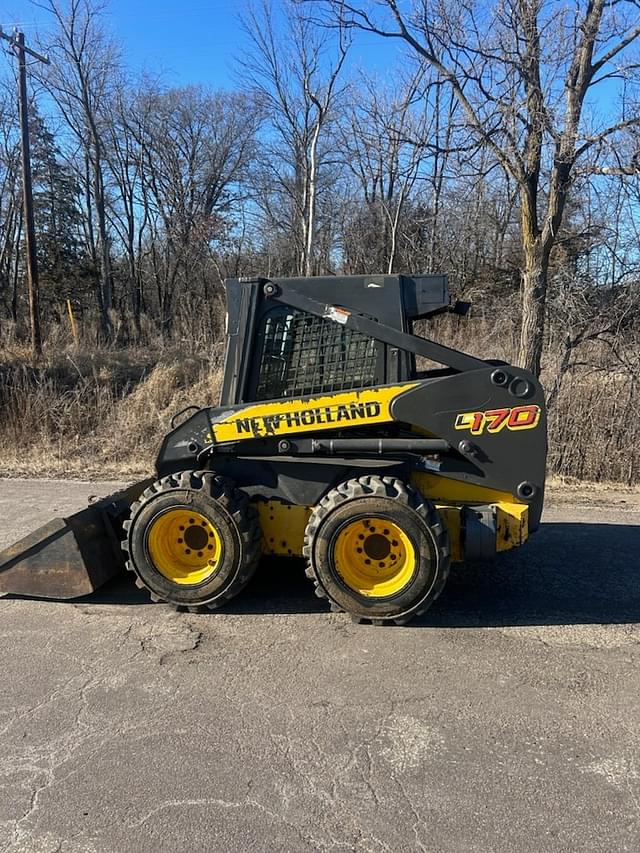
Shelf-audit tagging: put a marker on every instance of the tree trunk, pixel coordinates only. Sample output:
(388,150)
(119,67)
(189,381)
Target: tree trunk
(136,302)
(16,270)
(88,219)
(106,283)
(534,295)
(394,223)
(300,214)
(311,200)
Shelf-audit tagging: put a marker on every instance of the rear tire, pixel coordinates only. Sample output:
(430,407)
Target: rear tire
(193,540)
(377,549)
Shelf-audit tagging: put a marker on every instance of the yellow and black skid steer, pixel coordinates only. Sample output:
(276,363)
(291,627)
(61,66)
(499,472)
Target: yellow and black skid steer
(329,444)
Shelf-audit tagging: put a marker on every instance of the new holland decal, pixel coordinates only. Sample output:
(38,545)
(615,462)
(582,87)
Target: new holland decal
(495,420)
(332,411)
(309,417)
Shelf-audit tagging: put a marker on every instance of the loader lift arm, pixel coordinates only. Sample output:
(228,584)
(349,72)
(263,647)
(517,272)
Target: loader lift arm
(459,361)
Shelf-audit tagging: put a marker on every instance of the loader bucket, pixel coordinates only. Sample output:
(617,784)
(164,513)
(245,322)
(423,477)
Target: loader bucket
(69,557)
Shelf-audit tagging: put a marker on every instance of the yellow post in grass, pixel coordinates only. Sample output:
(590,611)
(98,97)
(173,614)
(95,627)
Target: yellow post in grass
(72,319)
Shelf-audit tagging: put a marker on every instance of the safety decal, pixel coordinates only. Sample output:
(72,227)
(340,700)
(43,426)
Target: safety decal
(495,420)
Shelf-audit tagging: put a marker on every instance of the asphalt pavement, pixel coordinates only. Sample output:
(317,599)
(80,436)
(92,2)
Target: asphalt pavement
(505,719)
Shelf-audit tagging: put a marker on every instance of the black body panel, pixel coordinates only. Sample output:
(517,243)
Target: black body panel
(504,460)
(299,481)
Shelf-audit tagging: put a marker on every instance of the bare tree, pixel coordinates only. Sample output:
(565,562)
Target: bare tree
(195,149)
(296,79)
(10,203)
(384,142)
(521,71)
(83,65)
(125,156)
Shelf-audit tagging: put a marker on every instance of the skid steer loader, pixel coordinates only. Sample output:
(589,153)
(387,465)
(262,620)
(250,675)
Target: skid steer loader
(328,443)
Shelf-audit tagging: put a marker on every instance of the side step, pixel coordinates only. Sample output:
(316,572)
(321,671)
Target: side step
(70,557)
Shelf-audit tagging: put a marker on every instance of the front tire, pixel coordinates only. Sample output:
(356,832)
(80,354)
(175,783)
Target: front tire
(377,549)
(193,540)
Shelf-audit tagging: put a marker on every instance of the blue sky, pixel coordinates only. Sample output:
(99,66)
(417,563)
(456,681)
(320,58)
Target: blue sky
(193,41)
(197,41)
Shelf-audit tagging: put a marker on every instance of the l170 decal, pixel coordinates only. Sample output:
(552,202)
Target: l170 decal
(495,420)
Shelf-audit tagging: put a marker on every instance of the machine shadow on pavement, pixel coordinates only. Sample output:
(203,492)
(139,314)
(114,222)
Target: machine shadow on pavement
(569,573)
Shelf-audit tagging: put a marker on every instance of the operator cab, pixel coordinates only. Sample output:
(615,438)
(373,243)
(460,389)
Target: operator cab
(276,351)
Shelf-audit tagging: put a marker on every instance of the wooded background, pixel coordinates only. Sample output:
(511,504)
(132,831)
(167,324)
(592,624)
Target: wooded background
(504,149)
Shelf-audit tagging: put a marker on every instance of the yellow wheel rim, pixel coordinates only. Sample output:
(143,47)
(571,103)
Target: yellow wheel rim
(374,557)
(184,546)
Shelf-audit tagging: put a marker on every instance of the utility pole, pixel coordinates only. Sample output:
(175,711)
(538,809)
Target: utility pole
(20,50)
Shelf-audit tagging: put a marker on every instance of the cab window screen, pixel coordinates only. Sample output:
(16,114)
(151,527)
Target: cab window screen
(302,354)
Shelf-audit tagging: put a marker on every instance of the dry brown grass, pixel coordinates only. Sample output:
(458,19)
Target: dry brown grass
(104,413)
(594,428)
(99,414)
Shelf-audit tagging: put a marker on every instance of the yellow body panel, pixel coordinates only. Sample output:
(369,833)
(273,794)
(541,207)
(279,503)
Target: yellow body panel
(442,489)
(450,496)
(341,410)
(512,525)
(283,526)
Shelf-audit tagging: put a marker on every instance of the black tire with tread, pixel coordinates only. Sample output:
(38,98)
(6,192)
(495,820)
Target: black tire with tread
(399,502)
(207,493)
